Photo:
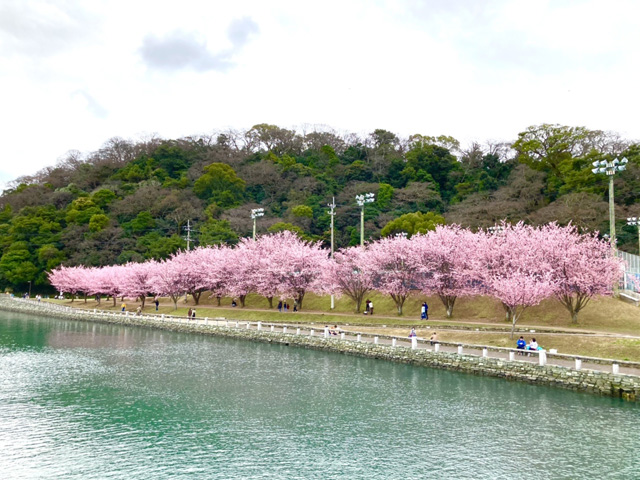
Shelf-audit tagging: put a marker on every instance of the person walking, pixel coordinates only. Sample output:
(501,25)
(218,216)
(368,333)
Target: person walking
(124,307)
(366,307)
(157,302)
(189,314)
(370,307)
(423,311)
(295,305)
(280,306)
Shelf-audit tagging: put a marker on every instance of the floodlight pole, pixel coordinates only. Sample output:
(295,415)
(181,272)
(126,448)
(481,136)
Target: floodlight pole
(332,213)
(255,213)
(611,168)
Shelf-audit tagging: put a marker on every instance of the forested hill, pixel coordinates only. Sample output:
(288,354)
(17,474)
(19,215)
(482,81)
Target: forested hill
(131,201)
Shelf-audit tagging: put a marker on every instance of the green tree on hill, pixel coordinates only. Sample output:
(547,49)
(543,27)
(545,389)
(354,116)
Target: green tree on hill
(221,185)
(412,223)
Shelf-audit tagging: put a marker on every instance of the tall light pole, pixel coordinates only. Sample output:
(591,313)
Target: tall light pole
(332,213)
(29,288)
(635,222)
(255,213)
(362,200)
(610,168)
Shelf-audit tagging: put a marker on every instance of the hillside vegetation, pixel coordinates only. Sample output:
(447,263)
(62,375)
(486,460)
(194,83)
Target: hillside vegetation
(131,201)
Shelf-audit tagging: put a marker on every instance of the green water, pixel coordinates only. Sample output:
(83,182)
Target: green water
(90,401)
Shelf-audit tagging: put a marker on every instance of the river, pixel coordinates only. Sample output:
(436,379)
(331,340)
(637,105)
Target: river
(83,400)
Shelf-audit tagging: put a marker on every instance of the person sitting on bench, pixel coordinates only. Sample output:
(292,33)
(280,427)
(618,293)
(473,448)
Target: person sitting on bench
(521,343)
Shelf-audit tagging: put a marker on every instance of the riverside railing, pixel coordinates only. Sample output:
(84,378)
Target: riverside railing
(541,357)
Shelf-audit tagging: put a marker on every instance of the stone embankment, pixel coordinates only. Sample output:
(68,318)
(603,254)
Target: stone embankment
(604,383)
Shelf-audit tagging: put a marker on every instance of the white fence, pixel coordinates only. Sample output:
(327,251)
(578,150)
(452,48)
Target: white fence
(632,271)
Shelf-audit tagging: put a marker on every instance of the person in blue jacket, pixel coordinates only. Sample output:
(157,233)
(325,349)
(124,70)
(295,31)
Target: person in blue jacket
(521,344)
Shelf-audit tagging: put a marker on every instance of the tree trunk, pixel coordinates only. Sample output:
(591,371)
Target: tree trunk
(114,300)
(270,300)
(196,297)
(218,298)
(85,298)
(242,299)
(399,299)
(142,299)
(175,301)
(358,303)
(300,298)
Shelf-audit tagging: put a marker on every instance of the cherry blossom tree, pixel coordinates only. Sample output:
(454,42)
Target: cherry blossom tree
(581,266)
(240,269)
(66,279)
(192,271)
(448,263)
(213,261)
(109,281)
(137,280)
(296,265)
(394,272)
(166,280)
(348,274)
(516,271)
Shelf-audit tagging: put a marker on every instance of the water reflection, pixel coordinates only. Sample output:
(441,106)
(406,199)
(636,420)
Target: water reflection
(83,400)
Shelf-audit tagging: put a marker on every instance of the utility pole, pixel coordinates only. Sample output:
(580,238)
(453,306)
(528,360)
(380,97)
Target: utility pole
(188,230)
(332,213)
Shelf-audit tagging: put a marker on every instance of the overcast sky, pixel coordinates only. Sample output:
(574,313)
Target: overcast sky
(75,73)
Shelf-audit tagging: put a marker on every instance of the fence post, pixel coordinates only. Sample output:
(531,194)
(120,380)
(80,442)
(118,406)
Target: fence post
(359,337)
(394,341)
(259,325)
(248,325)
(284,329)
(298,331)
(375,340)
(578,364)
(615,369)
(485,352)
(206,320)
(326,332)
(512,356)
(414,343)
(459,349)
(273,328)
(237,324)
(436,347)
(342,336)
(311,332)
(542,358)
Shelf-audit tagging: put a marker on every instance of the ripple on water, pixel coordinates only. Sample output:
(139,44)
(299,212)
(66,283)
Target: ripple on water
(93,401)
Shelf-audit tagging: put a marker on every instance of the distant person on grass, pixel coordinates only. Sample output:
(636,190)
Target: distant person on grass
(424,315)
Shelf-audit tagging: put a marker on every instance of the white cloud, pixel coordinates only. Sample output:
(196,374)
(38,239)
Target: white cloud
(76,74)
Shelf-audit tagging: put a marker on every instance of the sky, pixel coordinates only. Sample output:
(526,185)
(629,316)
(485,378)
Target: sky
(76,73)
